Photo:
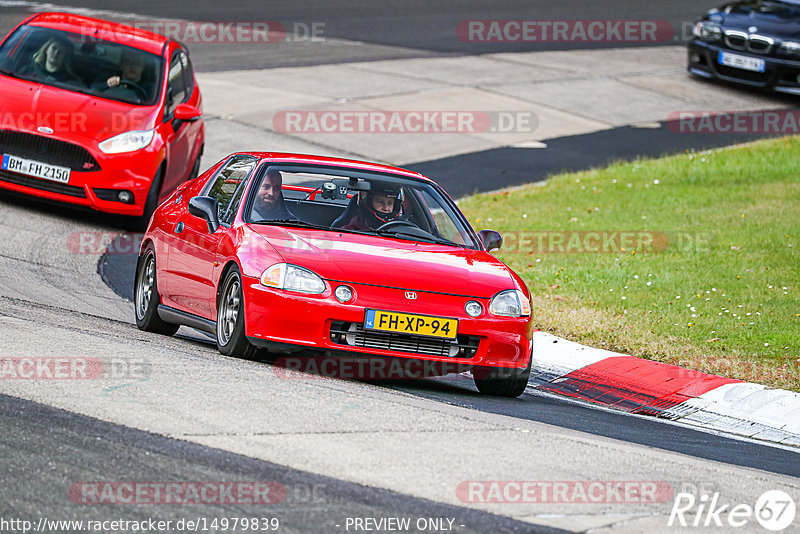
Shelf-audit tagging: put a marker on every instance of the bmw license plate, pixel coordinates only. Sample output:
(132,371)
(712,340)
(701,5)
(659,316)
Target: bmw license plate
(406,323)
(753,64)
(35,168)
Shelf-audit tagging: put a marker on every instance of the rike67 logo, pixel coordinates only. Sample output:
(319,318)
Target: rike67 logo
(774,510)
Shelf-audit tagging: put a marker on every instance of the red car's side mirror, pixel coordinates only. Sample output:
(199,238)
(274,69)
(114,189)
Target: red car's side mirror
(491,240)
(188,113)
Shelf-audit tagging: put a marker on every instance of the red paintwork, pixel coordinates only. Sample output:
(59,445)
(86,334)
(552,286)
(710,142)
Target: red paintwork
(97,119)
(380,270)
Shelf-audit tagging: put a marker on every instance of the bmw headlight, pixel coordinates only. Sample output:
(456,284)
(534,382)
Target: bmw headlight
(510,303)
(791,47)
(127,142)
(292,278)
(707,31)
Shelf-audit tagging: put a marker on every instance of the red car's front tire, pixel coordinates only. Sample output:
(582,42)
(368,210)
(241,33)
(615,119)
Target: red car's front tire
(502,382)
(231,339)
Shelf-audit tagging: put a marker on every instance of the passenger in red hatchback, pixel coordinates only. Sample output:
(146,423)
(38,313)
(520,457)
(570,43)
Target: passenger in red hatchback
(53,62)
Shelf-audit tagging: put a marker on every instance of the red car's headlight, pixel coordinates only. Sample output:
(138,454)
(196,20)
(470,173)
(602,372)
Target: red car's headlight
(127,142)
(510,303)
(292,278)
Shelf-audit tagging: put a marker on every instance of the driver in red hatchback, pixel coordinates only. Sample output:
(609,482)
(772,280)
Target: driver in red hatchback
(132,68)
(375,208)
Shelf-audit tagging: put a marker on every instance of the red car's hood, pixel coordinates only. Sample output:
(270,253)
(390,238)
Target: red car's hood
(366,259)
(25,106)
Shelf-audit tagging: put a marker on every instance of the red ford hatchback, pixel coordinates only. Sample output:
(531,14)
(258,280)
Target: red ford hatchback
(96,114)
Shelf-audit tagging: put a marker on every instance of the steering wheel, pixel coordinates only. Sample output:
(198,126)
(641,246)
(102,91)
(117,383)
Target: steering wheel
(135,87)
(391,224)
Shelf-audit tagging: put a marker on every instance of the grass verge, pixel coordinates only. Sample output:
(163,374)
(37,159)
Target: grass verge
(692,259)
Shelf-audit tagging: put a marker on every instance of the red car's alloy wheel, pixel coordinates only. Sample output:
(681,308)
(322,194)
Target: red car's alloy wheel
(146,298)
(229,312)
(231,339)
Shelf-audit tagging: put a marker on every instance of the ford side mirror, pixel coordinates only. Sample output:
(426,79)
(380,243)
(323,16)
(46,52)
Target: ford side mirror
(187,113)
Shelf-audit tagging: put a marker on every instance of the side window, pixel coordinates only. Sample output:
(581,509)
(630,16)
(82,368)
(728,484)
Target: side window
(176,88)
(188,76)
(226,185)
(228,216)
(444,223)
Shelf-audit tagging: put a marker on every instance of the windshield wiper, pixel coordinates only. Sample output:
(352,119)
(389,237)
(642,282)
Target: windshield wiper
(416,234)
(293,222)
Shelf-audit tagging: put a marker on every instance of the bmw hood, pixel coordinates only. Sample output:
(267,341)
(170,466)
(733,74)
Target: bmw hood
(770,18)
(373,260)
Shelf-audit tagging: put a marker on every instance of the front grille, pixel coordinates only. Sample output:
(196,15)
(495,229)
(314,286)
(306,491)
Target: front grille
(759,45)
(354,335)
(47,150)
(736,41)
(42,185)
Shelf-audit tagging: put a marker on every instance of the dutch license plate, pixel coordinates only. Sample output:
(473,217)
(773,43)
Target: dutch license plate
(741,62)
(406,323)
(35,168)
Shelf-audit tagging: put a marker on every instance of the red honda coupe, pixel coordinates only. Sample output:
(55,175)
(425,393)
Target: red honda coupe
(96,114)
(291,252)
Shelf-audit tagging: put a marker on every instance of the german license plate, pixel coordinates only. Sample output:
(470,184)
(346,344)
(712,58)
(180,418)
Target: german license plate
(35,168)
(753,64)
(406,323)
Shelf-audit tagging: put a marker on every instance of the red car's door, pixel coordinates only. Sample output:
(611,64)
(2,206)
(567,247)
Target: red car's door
(193,249)
(181,137)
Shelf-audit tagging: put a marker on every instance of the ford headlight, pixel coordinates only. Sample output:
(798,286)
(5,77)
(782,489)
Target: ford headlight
(292,278)
(510,303)
(127,142)
(707,31)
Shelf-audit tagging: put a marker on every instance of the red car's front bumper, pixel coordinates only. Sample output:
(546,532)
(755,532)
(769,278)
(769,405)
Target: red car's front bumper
(314,321)
(96,189)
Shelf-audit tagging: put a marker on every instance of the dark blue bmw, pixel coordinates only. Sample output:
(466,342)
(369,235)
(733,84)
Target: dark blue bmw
(752,42)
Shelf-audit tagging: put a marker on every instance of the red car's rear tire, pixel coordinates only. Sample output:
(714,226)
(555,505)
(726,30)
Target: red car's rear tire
(231,339)
(146,298)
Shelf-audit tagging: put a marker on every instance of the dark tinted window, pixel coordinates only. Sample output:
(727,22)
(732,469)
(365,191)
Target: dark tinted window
(177,90)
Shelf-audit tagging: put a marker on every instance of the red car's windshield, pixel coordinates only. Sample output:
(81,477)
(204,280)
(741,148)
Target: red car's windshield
(83,64)
(357,202)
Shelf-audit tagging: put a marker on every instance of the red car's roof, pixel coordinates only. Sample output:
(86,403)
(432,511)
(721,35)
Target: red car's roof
(339,162)
(102,29)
